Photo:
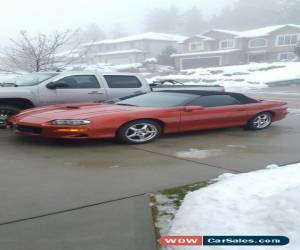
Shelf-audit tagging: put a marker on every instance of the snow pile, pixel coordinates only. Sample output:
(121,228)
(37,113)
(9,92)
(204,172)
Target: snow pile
(264,202)
(238,77)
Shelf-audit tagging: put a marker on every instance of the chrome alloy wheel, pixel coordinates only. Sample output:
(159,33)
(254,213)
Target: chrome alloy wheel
(141,132)
(262,121)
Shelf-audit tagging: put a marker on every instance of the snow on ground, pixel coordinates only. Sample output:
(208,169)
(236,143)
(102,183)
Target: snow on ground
(238,77)
(198,154)
(264,202)
(294,112)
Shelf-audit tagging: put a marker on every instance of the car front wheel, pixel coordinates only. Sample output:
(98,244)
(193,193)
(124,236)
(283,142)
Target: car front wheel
(138,132)
(5,113)
(260,121)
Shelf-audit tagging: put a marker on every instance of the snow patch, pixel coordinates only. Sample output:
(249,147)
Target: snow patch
(198,154)
(264,202)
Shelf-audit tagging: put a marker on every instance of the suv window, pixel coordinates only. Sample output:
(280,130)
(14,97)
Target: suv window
(122,81)
(80,82)
(215,101)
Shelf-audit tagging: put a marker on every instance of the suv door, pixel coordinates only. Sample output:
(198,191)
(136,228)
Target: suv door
(79,88)
(218,111)
(124,85)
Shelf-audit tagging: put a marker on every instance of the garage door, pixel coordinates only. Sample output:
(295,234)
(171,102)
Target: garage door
(200,62)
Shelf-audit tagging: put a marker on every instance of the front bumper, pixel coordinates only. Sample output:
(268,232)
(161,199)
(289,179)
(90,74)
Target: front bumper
(60,132)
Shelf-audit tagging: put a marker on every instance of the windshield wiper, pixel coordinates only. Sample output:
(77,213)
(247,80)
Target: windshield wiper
(123,104)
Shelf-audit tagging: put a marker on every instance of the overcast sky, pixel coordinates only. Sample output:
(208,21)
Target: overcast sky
(46,16)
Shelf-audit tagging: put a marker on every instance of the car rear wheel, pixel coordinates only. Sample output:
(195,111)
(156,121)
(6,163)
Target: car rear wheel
(138,132)
(260,121)
(5,113)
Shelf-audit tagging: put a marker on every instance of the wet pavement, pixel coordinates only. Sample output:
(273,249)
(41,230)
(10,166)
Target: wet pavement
(93,194)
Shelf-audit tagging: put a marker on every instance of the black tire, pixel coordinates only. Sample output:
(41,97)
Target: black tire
(260,121)
(5,112)
(147,128)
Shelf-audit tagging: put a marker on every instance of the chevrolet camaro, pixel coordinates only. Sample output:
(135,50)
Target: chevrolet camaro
(143,118)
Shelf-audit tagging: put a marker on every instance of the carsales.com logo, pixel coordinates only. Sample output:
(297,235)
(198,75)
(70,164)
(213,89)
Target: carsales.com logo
(223,240)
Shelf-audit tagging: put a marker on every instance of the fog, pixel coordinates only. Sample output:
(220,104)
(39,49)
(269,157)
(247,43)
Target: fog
(46,16)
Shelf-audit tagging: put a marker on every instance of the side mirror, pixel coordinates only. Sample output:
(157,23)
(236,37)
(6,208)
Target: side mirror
(56,85)
(192,108)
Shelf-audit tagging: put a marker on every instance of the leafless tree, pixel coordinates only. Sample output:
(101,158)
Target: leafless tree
(35,53)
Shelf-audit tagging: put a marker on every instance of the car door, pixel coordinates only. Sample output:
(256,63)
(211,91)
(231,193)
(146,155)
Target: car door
(217,111)
(79,88)
(124,85)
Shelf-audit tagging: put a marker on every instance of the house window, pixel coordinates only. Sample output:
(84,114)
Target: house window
(258,43)
(133,45)
(286,56)
(196,46)
(227,44)
(286,40)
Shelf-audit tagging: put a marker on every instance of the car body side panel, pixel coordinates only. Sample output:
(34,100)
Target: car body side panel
(107,119)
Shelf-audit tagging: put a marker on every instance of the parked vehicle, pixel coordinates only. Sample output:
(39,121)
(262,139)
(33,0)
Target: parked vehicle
(46,88)
(143,118)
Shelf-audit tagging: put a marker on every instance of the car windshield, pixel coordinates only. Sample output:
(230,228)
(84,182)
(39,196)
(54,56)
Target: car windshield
(33,79)
(158,99)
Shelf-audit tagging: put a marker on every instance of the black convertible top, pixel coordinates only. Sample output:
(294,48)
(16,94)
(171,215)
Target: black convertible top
(240,97)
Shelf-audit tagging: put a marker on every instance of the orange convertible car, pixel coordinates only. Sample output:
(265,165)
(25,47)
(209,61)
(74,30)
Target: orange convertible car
(142,118)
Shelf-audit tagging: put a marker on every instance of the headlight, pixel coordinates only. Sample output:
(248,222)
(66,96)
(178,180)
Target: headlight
(70,122)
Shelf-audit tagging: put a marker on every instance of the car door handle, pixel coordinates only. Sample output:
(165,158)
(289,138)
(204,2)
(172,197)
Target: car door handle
(95,93)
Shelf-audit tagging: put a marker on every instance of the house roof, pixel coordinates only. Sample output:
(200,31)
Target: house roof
(118,52)
(212,52)
(231,32)
(142,36)
(201,37)
(265,31)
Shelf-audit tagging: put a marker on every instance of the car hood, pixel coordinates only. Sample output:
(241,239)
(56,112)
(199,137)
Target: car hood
(74,111)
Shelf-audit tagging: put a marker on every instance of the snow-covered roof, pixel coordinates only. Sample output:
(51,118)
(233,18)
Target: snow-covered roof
(142,36)
(265,31)
(117,52)
(206,38)
(206,52)
(231,32)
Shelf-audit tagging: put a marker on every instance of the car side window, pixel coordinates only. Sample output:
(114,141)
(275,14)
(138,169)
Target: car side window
(215,101)
(115,81)
(79,82)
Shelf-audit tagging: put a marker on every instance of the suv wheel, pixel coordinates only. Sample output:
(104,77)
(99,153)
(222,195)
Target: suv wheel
(5,113)
(138,132)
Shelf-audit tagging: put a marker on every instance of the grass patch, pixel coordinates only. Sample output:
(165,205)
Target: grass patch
(166,203)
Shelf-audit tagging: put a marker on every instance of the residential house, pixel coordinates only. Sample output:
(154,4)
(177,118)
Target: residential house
(131,49)
(219,47)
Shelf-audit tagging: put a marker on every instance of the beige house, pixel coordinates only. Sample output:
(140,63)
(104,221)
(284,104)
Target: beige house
(224,47)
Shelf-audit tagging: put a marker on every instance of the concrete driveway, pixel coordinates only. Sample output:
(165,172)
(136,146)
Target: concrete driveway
(93,194)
